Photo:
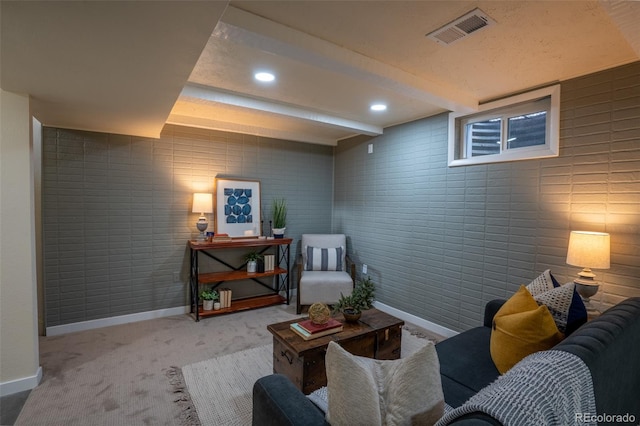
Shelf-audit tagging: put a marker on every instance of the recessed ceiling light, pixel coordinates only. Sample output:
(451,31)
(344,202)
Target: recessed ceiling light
(264,76)
(378,107)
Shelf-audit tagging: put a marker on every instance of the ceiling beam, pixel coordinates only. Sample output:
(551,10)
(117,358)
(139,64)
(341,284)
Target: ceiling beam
(245,28)
(247,129)
(626,16)
(216,96)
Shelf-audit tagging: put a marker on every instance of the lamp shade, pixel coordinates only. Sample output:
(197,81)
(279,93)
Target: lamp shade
(202,203)
(589,249)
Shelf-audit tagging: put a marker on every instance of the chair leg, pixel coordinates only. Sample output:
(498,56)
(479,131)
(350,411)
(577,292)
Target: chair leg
(298,307)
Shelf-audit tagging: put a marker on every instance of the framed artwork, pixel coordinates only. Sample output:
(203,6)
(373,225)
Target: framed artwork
(237,207)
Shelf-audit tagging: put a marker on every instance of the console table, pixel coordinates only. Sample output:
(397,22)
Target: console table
(280,277)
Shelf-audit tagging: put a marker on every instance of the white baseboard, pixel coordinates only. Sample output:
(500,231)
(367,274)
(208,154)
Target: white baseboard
(19,385)
(142,316)
(427,325)
(122,319)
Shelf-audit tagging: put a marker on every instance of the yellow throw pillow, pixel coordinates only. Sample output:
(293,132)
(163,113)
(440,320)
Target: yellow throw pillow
(520,328)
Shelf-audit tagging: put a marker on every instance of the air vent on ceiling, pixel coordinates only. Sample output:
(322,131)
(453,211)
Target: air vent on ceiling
(461,27)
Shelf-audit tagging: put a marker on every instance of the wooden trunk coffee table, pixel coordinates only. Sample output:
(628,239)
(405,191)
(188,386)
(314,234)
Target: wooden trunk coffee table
(376,335)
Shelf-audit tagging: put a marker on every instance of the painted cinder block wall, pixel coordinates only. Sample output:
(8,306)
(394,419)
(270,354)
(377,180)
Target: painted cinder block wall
(440,242)
(117,212)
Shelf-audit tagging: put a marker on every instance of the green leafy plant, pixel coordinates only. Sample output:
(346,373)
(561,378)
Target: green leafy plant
(359,300)
(209,295)
(279,213)
(252,256)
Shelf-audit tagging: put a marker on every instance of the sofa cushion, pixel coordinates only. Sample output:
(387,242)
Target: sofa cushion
(324,259)
(520,328)
(368,391)
(465,364)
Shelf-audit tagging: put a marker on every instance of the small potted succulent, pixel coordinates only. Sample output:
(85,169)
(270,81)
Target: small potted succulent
(360,299)
(279,217)
(209,297)
(252,261)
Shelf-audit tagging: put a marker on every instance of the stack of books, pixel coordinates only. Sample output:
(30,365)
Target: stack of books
(308,330)
(225,297)
(269,262)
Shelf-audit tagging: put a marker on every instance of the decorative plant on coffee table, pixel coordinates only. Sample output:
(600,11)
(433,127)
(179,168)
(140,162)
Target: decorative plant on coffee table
(359,300)
(208,298)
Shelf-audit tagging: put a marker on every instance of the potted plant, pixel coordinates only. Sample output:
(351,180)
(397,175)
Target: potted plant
(208,298)
(359,300)
(279,217)
(252,261)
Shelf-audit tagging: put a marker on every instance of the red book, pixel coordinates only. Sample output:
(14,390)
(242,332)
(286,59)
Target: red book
(308,336)
(312,328)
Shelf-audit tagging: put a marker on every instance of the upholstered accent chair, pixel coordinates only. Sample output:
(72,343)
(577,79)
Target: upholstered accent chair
(324,270)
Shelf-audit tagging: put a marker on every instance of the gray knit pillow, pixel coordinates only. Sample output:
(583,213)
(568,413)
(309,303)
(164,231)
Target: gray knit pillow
(565,305)
(543,283)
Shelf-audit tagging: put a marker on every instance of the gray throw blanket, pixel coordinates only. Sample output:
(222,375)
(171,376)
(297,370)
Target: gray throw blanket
(546,388)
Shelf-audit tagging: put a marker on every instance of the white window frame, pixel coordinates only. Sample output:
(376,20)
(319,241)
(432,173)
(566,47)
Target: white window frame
(505,108)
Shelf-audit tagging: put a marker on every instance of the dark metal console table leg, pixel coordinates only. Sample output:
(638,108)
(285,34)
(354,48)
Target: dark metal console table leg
(193,280)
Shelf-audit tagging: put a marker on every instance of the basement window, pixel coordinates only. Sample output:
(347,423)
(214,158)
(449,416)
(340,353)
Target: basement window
(520,127)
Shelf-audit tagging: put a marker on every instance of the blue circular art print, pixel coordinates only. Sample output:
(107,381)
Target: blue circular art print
(238,206)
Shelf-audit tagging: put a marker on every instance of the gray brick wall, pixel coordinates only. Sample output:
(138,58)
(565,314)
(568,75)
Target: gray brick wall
(440,242)
(117,211)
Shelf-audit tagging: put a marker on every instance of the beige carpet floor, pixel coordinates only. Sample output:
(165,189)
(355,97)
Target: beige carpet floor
(122,375)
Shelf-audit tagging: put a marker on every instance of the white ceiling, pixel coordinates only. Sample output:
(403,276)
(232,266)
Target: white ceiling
(129,67)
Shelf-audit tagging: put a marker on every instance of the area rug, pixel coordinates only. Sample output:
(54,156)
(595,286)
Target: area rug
(220,389)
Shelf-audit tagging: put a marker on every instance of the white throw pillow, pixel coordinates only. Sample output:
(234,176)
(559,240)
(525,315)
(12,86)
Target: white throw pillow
(366,391)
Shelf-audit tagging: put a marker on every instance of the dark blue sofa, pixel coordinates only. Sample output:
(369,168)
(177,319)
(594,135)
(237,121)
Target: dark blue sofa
(609,345)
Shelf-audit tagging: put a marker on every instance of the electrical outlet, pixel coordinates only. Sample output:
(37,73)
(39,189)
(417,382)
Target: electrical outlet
(364,268)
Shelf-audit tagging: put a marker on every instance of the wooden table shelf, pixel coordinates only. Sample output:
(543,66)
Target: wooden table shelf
(246,304)
(215,277)
(280,283)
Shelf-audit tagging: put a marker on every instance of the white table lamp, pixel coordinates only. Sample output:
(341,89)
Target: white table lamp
(588,250)
(202,203)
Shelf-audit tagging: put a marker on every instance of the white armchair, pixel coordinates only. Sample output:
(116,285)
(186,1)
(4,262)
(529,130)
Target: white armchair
(324,270)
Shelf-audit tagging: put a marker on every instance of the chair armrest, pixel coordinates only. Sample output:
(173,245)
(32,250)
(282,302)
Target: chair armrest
(300,266)
(490,310)
(277,402)
(299,273)
(351,269)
